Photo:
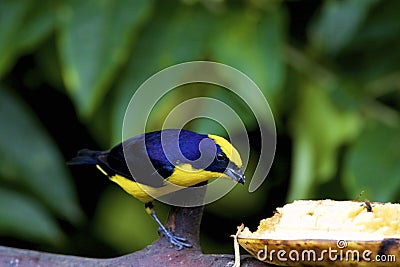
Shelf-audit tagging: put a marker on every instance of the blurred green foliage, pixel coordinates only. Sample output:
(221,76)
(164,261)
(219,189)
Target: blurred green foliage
(329,69)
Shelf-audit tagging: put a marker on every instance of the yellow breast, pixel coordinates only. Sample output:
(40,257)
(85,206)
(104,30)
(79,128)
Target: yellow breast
(183,176)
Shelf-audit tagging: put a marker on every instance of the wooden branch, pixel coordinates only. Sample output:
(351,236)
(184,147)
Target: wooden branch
(183,222)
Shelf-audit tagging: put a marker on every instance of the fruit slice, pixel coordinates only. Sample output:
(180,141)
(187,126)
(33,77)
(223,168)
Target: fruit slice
(328,233)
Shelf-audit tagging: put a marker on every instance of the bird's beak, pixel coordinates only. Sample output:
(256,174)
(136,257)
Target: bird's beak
(235,173)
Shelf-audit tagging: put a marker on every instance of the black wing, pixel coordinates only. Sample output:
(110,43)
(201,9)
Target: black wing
(138,163)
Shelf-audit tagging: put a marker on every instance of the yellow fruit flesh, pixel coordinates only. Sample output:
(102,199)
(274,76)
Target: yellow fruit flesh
(328,219)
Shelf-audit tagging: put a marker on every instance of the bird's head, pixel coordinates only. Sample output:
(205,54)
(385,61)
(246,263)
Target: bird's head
(197,158)
(227,160)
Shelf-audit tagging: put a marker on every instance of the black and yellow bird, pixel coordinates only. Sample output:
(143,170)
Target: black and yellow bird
(146,165)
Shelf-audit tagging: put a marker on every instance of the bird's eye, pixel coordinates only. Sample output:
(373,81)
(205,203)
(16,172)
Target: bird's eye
(220,156)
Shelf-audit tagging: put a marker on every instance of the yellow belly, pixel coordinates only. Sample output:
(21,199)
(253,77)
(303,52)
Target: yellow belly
(134,189)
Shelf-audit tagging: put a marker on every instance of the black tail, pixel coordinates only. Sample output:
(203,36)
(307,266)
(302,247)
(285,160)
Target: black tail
(85,157)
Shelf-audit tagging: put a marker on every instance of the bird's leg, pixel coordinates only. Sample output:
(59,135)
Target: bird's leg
(174,240)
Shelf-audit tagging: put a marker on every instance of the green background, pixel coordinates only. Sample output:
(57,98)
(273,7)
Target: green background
(329,70)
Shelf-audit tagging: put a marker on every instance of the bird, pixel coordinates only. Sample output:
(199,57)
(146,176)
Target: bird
(158,163)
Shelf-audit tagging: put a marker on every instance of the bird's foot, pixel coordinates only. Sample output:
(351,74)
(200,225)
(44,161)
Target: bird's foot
(177,241)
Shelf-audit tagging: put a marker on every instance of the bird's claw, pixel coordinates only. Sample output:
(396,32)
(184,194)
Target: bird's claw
(177,241)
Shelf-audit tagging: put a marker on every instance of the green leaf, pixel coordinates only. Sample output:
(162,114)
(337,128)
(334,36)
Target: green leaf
(94,42)
(241,115)
(29,159)
(22,25)
(337,23)
(38,23)
(24,217)
(372,164)
(382,26)
(320,128)
(253,42)
(184,37)
(370,55)
(11,17)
